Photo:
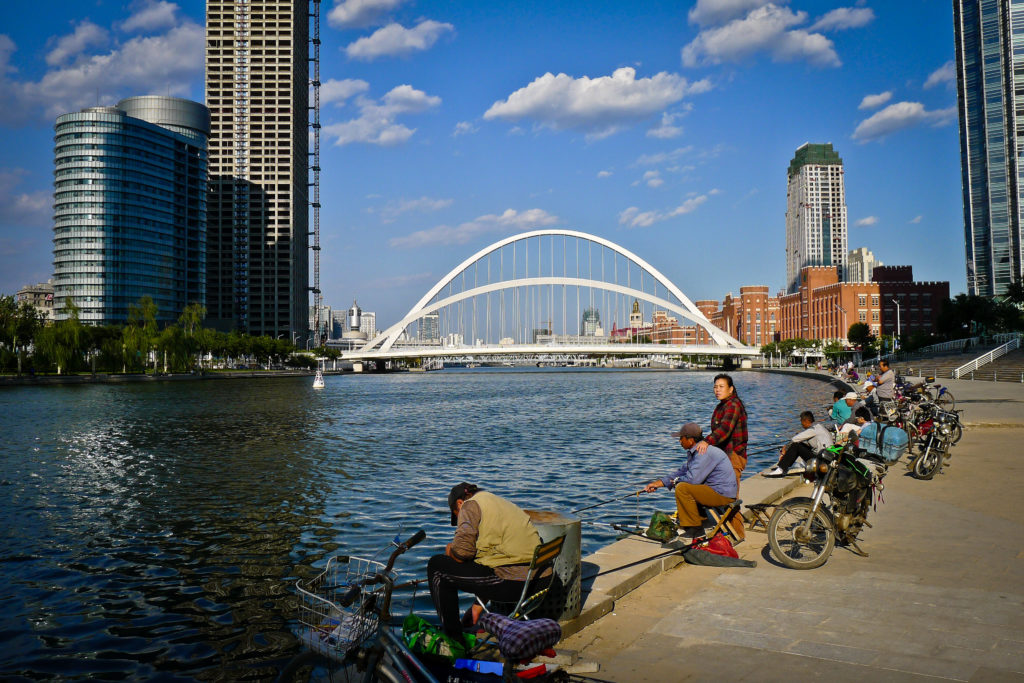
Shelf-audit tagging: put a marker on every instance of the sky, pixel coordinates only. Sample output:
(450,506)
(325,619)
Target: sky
(664,127)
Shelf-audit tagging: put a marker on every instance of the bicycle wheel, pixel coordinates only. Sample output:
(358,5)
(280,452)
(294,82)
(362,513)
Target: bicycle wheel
(794,546)
(946,401)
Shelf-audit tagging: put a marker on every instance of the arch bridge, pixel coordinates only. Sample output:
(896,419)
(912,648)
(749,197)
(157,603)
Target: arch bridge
(550,292)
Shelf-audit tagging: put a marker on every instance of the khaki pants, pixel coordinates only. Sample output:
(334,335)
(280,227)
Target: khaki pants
(687,497)
(739,463)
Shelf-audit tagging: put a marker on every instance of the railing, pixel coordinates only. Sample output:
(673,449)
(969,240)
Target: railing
(988,357)
(955,345)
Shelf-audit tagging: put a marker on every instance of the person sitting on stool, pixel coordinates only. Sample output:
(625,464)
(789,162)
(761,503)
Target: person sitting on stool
(489,556)
(804,445)
(706,478)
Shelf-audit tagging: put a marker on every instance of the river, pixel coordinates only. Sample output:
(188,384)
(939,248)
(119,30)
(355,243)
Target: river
(155,530)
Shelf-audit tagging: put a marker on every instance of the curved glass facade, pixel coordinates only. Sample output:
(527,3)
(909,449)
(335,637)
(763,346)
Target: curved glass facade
(130,208)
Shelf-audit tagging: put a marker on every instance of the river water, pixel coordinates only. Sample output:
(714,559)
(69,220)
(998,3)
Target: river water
(156,530)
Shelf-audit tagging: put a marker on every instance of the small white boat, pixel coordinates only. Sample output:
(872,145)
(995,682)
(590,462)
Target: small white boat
(318,381)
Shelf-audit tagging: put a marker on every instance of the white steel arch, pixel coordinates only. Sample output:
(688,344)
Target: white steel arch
(388,337)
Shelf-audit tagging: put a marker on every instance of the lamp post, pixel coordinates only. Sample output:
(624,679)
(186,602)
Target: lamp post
(295,335)
(845,330)
(898,330)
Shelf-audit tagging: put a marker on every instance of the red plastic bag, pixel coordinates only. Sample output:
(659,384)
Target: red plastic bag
(720,545)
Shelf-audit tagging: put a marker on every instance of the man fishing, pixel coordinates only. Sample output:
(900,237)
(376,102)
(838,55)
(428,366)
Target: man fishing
(489,555)
(706,478)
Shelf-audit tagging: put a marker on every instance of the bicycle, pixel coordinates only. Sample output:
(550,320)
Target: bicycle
(345,616)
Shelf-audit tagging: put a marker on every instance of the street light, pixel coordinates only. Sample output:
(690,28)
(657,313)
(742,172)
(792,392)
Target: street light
(898,330)
(295,336)
(845,330)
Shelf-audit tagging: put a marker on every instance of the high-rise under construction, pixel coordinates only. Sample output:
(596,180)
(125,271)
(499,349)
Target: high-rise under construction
(257,90)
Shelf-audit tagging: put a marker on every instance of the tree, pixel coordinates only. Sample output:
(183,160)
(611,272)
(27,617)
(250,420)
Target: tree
(859,334)
(140,332)
(61,343)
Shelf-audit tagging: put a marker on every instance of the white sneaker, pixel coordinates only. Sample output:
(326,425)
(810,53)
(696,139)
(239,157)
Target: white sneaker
(775,472)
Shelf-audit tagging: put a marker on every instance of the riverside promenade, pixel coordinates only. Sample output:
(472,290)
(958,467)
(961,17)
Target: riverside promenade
(940,597)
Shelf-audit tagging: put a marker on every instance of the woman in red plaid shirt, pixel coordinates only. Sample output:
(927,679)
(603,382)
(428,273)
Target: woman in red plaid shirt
(728,425)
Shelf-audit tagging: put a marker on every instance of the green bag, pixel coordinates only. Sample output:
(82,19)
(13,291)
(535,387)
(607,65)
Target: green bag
(424,638)
(662,527)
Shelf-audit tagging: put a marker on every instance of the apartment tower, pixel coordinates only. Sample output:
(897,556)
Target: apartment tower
(990,94)
(257,89)
(815,212)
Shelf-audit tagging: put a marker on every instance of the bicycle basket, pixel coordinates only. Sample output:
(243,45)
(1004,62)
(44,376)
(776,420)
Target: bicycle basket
(327,627)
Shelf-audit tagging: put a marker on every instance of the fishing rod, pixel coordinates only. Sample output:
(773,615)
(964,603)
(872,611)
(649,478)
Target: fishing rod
(610,500)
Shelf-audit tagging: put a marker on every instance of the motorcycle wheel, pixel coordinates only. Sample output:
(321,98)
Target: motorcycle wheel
(800,552)
(927,464)
(958,433)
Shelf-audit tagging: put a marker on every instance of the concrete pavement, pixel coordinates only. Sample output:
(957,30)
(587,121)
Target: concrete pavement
(940,596)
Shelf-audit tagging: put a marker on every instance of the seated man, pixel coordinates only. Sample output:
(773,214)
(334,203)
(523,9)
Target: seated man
(804,445)
(489,555)
(860,417)
(840,412)
(706,478)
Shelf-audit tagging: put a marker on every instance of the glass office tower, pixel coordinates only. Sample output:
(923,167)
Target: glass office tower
(130,208)
(990,89)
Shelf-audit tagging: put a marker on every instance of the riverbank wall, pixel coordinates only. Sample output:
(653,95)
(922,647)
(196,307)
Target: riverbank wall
(100,378)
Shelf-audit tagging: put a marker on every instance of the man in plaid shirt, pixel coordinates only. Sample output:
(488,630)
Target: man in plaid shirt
(728,425)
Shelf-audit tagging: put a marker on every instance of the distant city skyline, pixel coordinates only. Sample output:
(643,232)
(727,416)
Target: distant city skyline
(666,130)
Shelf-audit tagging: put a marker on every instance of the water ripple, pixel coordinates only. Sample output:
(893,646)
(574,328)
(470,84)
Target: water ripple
(156,530)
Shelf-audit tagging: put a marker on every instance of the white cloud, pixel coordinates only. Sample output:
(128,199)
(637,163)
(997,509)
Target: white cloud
(635,218)
(711,12)
(85,35)
(870,220)
(944,74)
(873,101)
(23,209)
(376,122)
(510,221)
(394,39)
(600,106)
(359,13)
(653,179)
(422,205)
(401,281)
(899,116)
(604,174)
(152,16)
(915,219)
(463,128)
(765,29)
(665,130)
(169,63)
(338,91)
(843,18)
(662,157)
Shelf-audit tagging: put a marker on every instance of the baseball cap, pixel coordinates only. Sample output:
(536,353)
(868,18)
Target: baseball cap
(690,429)
(457,493)
(851,396)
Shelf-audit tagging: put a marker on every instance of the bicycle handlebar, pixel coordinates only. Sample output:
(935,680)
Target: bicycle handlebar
(381,577)
(402,547)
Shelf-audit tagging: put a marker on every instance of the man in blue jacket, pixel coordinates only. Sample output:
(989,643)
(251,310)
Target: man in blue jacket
(706,478)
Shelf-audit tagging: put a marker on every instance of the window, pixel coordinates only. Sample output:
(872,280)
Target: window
(862,316)
(862,300)
(874,299)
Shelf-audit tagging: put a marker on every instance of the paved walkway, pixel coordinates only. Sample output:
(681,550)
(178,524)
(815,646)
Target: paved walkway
(941,595)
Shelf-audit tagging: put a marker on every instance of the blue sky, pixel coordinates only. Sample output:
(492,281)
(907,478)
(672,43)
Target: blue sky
(665,127)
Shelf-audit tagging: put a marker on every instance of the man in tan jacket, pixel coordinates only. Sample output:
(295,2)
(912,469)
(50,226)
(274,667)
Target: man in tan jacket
(489,555)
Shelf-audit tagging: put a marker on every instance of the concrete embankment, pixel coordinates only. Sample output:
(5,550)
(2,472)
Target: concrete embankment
(940,595)
(100,378)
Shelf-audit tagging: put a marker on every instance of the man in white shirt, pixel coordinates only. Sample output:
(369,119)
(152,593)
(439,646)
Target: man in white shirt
(805,445)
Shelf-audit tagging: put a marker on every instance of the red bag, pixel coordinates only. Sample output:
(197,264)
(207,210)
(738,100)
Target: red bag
(720,545)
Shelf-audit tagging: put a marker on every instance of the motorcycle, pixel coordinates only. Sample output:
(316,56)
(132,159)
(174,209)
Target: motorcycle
(802,532)
(943,432)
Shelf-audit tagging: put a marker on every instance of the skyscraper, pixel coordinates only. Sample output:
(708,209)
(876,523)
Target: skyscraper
(130,208)
(990,92)
(257,88)
(860,262)
(815,212)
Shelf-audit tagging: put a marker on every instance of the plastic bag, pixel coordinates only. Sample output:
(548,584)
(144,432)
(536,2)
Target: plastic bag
(662,527)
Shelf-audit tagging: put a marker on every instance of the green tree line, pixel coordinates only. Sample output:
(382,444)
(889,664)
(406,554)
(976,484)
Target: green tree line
(139,345)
